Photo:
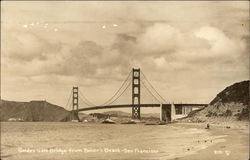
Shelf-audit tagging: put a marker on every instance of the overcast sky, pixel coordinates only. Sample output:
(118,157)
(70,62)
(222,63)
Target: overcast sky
(188,50)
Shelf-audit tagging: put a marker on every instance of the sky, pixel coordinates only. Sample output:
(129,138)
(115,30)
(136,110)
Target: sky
(189,51)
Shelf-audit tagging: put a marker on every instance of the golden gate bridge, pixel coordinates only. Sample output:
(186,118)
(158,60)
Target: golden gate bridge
(135,92)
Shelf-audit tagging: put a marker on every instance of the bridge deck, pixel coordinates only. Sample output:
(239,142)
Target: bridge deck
(142,105)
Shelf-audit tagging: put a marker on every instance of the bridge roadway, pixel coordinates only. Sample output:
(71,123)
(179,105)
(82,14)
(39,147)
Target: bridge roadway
(142,105)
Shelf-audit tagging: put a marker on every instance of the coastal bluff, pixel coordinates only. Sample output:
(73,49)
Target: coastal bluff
(32,111)
(231,104)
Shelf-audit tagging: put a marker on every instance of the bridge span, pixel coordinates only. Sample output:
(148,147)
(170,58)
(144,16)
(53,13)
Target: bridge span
(138,81)
(141,105)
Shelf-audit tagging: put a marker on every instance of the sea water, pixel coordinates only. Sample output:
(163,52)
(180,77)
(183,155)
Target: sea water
(67,140)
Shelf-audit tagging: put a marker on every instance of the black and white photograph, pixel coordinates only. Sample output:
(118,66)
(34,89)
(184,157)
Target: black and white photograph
(125,80)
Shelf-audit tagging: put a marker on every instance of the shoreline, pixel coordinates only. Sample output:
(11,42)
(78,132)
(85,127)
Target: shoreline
(216,143)
(235,146)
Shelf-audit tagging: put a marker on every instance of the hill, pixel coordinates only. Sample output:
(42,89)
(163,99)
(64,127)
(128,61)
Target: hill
(230,104)
(118,116)
(236,93)
(32,111)
(125,114)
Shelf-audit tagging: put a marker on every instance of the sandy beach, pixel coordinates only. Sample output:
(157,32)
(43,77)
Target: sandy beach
(235,146)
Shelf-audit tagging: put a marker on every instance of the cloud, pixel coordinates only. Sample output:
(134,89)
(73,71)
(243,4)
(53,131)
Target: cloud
(176,44)
(159,38)
(218,40)
(25,46)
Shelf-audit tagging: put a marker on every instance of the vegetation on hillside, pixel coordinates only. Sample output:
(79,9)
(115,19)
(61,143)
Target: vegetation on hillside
(230,104)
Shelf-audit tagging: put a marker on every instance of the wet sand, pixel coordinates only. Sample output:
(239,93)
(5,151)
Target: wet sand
(235,146)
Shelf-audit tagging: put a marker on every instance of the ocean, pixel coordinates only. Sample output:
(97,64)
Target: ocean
(69,140)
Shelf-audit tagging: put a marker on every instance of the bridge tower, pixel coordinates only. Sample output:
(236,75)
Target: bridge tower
(75,105)
(75,98)
(136,94)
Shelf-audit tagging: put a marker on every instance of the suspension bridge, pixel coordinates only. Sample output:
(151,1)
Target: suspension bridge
(135,92)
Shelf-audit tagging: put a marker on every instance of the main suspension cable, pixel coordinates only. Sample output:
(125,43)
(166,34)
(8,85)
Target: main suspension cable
(121,93)
(66,106)
(86,100)
(117,90)
(153,87)
(150,91)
